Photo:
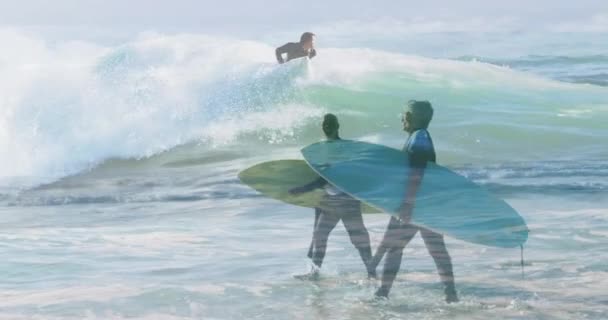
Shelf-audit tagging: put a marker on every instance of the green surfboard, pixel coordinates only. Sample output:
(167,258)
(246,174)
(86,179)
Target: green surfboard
(275,178)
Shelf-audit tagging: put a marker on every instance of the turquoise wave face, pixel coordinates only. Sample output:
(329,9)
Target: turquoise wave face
(483,113)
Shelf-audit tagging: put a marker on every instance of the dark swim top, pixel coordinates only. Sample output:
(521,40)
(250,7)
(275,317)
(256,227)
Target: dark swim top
(294,50)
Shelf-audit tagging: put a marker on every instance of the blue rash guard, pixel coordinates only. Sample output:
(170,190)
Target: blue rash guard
(420,149)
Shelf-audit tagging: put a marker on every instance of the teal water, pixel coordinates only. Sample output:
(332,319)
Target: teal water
(119,197)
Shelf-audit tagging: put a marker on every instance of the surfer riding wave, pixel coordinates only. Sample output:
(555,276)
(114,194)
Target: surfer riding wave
(295,50)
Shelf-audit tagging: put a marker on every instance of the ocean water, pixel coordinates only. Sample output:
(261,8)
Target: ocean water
(119,196)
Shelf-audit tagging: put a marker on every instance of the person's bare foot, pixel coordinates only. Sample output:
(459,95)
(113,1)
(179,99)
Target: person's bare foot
(450,295)
(381,293)
(372,274)
(313,275)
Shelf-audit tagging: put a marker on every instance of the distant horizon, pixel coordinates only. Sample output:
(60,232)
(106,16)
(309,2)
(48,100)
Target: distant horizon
(234,17)
(337,33)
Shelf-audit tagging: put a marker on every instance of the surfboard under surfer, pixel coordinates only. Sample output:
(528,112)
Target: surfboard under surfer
(335,206)
(294,50)
(400,232)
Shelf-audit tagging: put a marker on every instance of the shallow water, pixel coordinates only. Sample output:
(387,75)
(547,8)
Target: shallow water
(119,197)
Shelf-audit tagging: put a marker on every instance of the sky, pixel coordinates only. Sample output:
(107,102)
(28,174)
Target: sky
(188,14)
(114,21)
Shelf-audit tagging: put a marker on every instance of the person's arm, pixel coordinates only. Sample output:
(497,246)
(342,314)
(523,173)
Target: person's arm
(409,199)
(418,161)
(312,54)
(314,226)
(316,184)
(279,53)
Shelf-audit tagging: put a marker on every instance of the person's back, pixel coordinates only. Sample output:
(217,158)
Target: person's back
(295,50)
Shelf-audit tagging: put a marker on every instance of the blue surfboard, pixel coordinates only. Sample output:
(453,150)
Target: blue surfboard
(446,202)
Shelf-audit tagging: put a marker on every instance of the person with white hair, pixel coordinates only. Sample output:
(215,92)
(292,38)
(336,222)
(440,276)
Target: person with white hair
(420,150)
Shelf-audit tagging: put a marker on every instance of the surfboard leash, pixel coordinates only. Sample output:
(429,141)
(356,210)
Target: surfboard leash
(522,260)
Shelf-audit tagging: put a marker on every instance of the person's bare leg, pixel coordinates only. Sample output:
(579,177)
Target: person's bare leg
(359,237)
(397,236)
(323,228)
(327,222)
(314,226)
(435,244)
(380,252)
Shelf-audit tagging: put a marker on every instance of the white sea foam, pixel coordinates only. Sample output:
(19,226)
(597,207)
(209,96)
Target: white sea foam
(68,106)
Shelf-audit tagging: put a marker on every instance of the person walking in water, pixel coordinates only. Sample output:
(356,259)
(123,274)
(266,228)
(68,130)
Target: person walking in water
(294,50)
(335,206)
(420,150)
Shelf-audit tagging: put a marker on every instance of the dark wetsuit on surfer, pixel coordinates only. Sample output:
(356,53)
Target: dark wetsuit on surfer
(335,206)
(294,50)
